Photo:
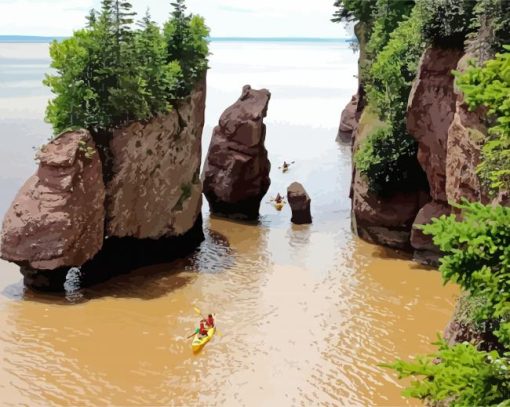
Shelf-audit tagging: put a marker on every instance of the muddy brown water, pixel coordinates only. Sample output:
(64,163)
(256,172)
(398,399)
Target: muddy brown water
(306,313)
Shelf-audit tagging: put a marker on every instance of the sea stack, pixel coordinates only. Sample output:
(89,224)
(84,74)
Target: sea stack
(136,204)
(236,170)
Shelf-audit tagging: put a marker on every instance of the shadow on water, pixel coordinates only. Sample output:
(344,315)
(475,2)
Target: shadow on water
(146,282)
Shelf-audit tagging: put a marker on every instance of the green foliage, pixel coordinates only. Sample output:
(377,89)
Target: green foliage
(393,70)
(87,151)
(111,72)
(490,27)
(353,10)
(489,86)
(186,190)
(460,375)
(477,257)
(186,36)
(386,158)
(386,16)
(446,22)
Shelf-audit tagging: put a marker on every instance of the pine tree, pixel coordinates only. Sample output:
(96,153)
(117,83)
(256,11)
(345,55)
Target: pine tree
(91,18)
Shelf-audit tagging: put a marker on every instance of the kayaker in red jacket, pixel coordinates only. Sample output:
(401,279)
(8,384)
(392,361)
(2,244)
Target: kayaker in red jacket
(210,321)
(203,330)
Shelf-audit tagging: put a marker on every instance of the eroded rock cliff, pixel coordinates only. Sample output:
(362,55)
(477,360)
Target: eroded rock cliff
(449,138)
(430,113)
(136,204)
(155,188)
(57,217)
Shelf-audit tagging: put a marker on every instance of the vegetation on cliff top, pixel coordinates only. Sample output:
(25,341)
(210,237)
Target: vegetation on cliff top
(113,71)
(489,86)
(398,32)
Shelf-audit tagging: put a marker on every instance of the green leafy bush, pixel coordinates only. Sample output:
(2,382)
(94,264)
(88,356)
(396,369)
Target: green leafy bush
(446,22)
(186,38)
(109,72)
(393,70)
(490,28)
(477,257)
(388,156)
(459,375)
(353,10)
(387,160)
(489,86)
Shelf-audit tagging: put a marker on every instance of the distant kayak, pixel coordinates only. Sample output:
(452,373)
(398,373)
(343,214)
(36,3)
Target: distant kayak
(199,342)
(285,169)
(279,206)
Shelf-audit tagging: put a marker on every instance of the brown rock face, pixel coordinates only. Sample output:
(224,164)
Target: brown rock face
(57,217)
(155,189)
(299,202)
(384,220)
(465,139)
(425,250)
(430,113)
(349,120)
(381,220)
(236,170)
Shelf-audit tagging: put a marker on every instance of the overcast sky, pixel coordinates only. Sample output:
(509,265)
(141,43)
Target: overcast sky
(226,18)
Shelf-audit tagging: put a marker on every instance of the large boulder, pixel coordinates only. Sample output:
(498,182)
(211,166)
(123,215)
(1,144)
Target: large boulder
(57,218)
(154,189)
(299,202)
(425,250)
(236,170)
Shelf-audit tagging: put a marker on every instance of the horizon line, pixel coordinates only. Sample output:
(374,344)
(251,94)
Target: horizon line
(47,38)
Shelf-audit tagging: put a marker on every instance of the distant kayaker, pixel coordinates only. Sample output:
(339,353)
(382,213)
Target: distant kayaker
(285,166)
(210,321)
(278,198)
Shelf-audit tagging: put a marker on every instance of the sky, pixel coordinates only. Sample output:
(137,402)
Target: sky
(226,18)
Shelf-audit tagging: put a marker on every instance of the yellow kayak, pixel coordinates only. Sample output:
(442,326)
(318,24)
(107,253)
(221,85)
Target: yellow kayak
(279,206)
(199,342)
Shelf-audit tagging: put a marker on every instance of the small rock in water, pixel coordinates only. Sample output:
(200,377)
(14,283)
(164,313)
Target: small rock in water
(299,202)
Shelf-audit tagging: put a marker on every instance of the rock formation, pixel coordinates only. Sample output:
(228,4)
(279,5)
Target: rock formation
(236,170)
(349,119)
(465,140)
(299,202)
(151,205)
(155,188)
(430,113)
(385,220)
(57,217)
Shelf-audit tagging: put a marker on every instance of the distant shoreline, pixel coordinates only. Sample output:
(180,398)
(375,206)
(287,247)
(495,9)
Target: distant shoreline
(14,39)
